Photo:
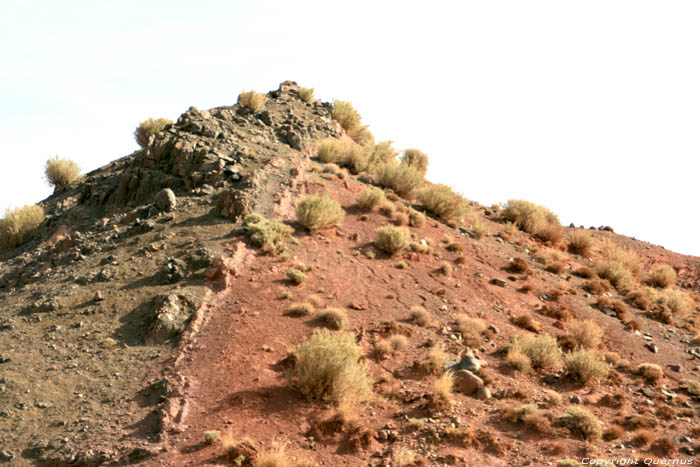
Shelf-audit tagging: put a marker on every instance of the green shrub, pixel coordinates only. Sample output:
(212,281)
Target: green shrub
(211,436)
(585,366)
(371,198)
(61,172)
(150,127)
(296,276)
(543,351)
(18,225)
(329,367)
(402,179)
(306,94)
(392,239)
(415,158)
(663,276)
(316,212)
(443,202)
(268,234)
(253,101)
(581,421)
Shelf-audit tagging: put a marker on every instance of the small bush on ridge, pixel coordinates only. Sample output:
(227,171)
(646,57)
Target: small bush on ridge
(317,212)
(19,224)
(150,127)
(61,172)
(254,101)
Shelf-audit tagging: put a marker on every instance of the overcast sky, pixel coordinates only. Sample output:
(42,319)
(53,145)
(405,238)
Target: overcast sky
(589,108)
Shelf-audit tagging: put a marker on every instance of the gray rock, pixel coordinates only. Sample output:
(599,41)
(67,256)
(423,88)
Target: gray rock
(676,368)
(467,362)
(575,400)
(498,282)
(483,393)
(166,200)
(170,314)
(467,382)
(174,270)
(652,348)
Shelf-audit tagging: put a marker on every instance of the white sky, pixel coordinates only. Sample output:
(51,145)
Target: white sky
(589,108)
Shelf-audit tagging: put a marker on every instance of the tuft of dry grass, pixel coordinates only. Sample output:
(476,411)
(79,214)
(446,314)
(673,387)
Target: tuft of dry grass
(316,212)
(663,276)
(442,389)
(329,367)
(586,334)
(300,309)
(472,330)
(518,360)
(443,202)
(437,357)
(403,457)
(18,225)
(402,179)
(334,318)
(613,432)
(556,267)
(533,219)
(585,272)
(664,446)
(345,114)
(251,100)
(445,269)
(392,239)
(315,300)
(268,234)
(579,242)
(296,276)
(518,266)
(371,198)
(387,209)
(419,316)
(148,128)
(61,172)
(274,455)
(585,366)
(306,94)
(211,436)
(542,351)
(416,219)
(526,321)
(581,421)
(342,152)
(641,438)
(597,286)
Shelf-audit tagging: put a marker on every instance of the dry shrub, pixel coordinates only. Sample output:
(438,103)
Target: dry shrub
(61,172)
(315,300)
(416,219)
(251,100)
(382,348)
(556,267)
(382,153)
(472,329)
(663,276)
(343,152)
(518,266)
(616,273)
(419,316)
(437,357)
(445,269)
(148,128)
(296,276)
(443,202)
(556,311)
(525,288)
(665,413)
(526,321)
(18,225)
(334,318)
(552,398)
(642,298)
(479,229)
(400,219)
(398,342)
(533,219)
(306,94)
(415,158)
(234,449)
(392,239)
(268,234)
(403,457)
(400,178)
(585,366)
(586,334)
(387,209)
(641,438)
(585,272)
(613,432)
(211,436)
(579,242)
(528,414)
(651,372)
(597,286)
(670,303)
(664,446)
(581,421)
(351,121)
(455,247)
(317,212)
(542,351)
(518,360)
(636,421)
(300,309)
(329,367)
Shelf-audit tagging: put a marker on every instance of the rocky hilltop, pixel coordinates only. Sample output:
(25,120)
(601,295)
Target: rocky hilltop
(144,313)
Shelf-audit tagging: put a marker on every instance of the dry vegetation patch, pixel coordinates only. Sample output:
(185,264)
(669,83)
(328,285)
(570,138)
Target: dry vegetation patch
(18,225)
(253,101)
(148,128)
(316,212)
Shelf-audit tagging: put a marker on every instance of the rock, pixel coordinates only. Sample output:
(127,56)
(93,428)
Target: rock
(467,382)
(467,362)
(98,297)
(551,379)
(165,200)
(170,314)
(200,258)
(174,270)
(652,348)
(6,456)
(105,275)
(647,391)
(676,368)
(483,393)
(575,400)
(493,329)
(498,282)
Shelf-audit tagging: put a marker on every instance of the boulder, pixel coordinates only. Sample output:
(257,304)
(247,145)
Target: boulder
(170,314)
(166,200)
(467,382)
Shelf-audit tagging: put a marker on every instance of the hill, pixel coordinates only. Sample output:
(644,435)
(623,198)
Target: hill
(155,303)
